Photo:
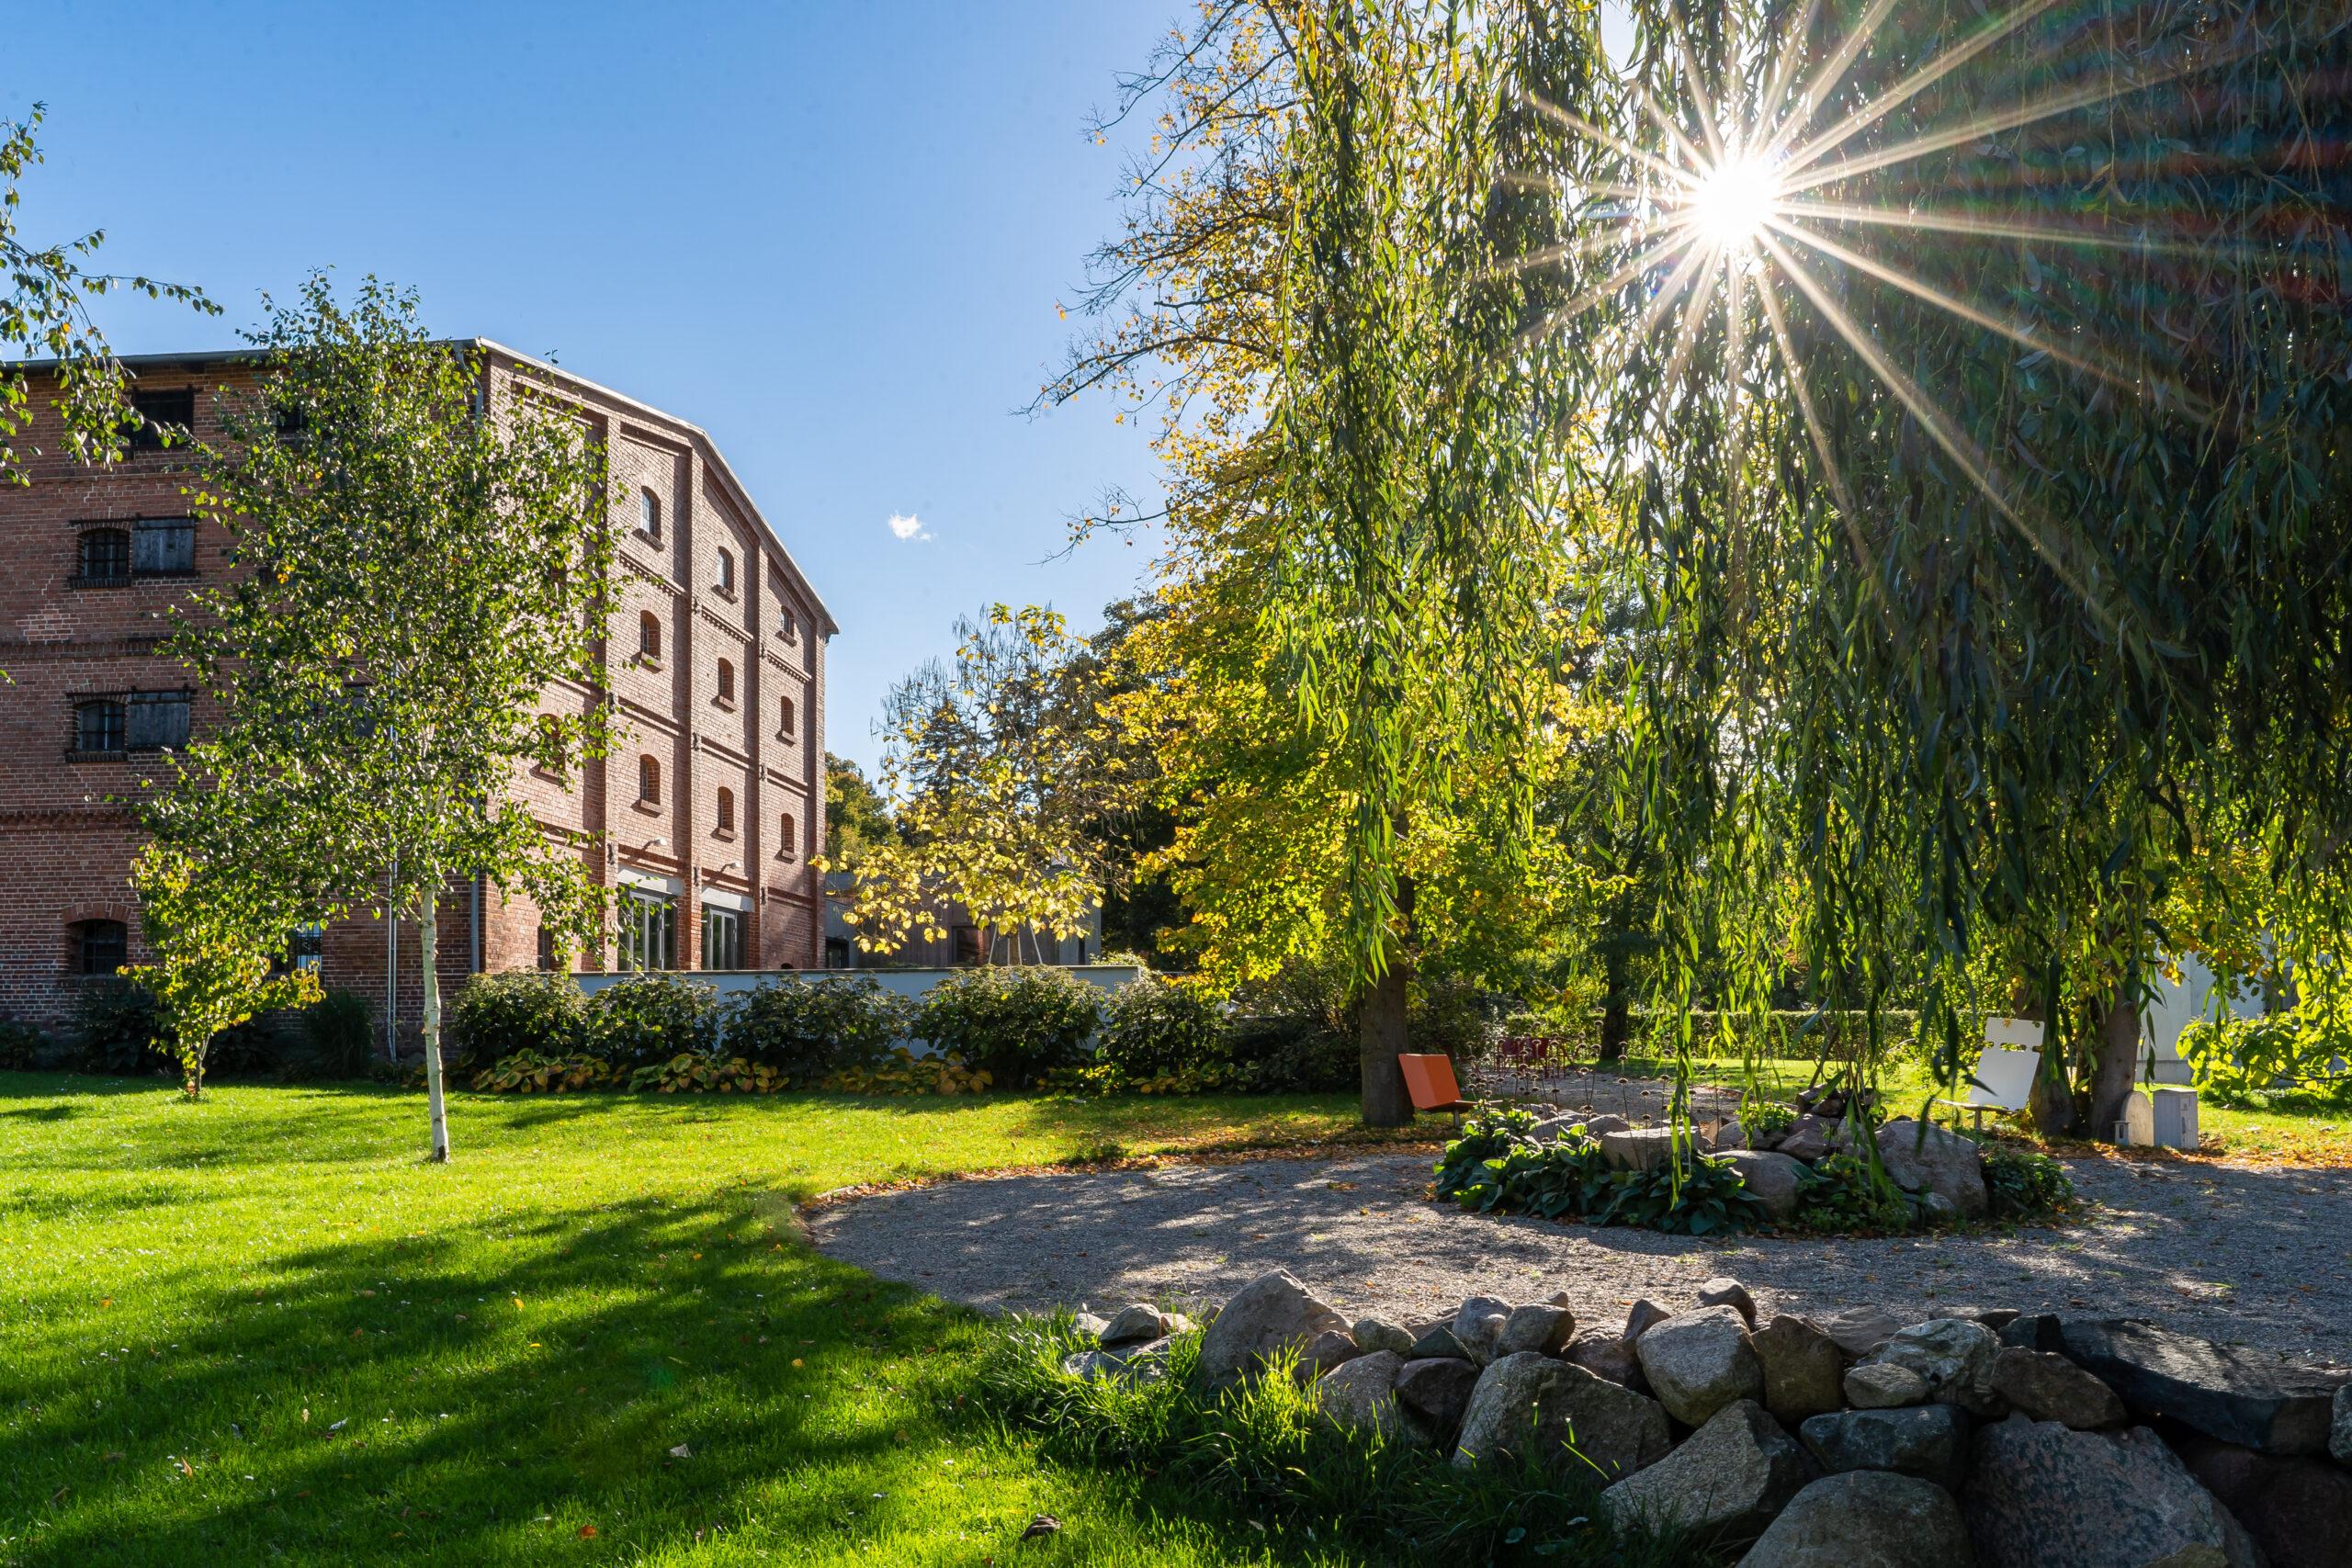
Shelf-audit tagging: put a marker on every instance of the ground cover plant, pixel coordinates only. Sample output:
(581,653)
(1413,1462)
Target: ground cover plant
(1265,1449)
(261,1328)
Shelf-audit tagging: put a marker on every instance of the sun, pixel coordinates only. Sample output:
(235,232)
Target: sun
(1732,202)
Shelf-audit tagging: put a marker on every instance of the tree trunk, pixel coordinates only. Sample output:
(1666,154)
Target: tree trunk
(2119,1061)
(1380,1036)
(427,949)
(1616,1015)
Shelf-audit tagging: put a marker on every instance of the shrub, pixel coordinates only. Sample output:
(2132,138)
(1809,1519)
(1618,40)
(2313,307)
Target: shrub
(1496,1166)
(708,1075)
(338,1038)
(114,1028)
(1291,1054)
(1452,1016)
(2027,1185)
(1842,1193)
(2282,1051)
(903,1072)
(651,1017)
(264,1045)
(23,1048)
(1152,1029)
(1012,1023)
(1764,1119)
(531,1072)
(494,1015)
(807,1029)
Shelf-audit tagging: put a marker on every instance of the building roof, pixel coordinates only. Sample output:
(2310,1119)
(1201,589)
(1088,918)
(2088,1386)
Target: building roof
(701,437)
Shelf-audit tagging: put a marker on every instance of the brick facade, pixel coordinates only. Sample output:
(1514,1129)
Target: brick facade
(740,635)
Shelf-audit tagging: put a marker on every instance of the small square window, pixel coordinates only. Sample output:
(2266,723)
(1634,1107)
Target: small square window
(164,547)
(101,947)
(159,413)
(98,724)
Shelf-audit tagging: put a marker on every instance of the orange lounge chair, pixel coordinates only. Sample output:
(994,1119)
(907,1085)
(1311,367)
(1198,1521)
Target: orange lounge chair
(1429,1080)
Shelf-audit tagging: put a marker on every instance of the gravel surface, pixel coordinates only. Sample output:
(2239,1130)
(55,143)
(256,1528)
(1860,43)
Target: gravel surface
(2257,1255)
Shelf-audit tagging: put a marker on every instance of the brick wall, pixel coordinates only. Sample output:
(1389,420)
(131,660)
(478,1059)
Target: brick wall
(66,841)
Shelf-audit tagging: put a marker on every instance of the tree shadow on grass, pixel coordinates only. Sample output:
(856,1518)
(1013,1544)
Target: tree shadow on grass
(647,1326)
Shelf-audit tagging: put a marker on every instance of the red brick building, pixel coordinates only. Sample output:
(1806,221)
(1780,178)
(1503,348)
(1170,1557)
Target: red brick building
(701,823)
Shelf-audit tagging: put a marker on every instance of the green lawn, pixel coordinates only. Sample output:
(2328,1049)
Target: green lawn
(261,1328)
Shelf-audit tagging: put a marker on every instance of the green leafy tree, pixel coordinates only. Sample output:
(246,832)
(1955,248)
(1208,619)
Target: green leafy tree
(425,547)
(1994,583)
(996,768)
(220,934)
(856,815)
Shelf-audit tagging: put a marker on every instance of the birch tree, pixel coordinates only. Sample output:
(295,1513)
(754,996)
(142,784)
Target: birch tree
(423,548)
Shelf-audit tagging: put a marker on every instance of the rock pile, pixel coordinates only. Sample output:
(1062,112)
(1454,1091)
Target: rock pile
(1998,1439)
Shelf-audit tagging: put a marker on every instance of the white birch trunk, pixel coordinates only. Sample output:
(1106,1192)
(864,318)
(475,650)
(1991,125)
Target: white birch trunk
(427,946)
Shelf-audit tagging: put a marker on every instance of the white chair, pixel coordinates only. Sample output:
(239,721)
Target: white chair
(2005,1073)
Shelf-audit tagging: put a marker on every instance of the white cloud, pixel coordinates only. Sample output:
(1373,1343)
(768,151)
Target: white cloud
(907,525)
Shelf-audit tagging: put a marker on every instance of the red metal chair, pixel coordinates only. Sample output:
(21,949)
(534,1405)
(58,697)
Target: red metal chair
(1429,1080)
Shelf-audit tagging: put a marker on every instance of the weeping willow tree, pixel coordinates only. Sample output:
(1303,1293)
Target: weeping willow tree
(1975,387)
(1420,473)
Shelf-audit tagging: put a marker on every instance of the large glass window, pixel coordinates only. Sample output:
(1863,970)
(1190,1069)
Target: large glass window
(722,939)
(648,930)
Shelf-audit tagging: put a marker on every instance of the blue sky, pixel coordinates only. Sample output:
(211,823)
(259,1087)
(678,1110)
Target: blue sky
(831,233)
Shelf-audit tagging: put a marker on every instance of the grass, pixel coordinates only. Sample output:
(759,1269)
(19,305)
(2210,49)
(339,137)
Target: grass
(261,1328)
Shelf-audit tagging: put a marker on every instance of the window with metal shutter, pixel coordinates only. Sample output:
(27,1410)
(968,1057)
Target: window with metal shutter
(164,547)
(157,719)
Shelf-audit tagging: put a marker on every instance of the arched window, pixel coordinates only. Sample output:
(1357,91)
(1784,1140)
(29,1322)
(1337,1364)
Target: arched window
(648,512)
(726,571)
(104,555)
(788,834)
(649,781)
(98,725)
(649,635)
(726,810)
(101,947)
(788,718)
(725,682)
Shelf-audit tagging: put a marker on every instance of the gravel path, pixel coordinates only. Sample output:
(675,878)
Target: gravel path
(2261,1257)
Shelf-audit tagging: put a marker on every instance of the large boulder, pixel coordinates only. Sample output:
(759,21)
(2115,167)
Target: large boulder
(1642,1316)
(1881,1385)
(2044,1495)
(1935,1159)
(1434,1394)
(1859,1330)
(1724,1291)
(1808,1138)
(1953,1356)
(2298,1510)
(1730,1478)
(1532,1403)
(1609,1355)
(1478,1323)
(1362,1393)
(1437,1342)
(1134,1324)
(1539,1326)
(1698,1362)
(1804,1370)
(1929,1442)
(1380,1333)
(1271,1314)
(1775,1178)
(2248,1397)
(2048,1387)
(1597,1125)
(1638,1148)
(1145,1363)
(1865,1518)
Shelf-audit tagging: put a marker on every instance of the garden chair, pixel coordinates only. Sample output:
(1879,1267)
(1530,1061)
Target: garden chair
(2004,1075)
(1429,1080)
